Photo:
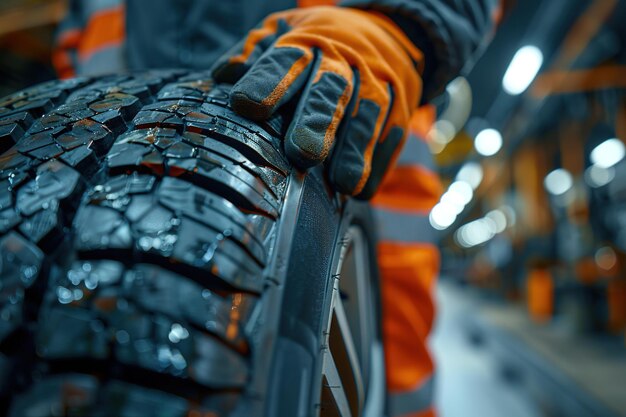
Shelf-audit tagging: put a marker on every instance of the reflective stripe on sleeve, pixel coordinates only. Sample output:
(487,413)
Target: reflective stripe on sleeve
(92,7)
(105,29)
(105,61)
(404,227)
(416,152)
(412,403)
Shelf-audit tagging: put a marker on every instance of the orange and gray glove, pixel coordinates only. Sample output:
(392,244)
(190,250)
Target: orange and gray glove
(351,68)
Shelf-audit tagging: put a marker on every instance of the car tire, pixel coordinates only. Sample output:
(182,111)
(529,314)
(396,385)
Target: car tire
(159,256)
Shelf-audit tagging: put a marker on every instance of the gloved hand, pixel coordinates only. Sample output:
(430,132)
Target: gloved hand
(355,69)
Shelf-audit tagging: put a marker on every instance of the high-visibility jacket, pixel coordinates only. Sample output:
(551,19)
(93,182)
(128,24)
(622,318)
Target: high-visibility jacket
(100,36)
(104,36)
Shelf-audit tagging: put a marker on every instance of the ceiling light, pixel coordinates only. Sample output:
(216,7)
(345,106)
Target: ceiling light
(608,153)
(471,173)
(522,70)
(597,176)
(442,216)
(558,182)
(488,142)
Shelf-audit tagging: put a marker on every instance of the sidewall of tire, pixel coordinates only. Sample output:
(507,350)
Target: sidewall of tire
(294,386)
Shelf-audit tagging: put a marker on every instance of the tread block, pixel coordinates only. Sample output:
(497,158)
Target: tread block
(205,208)
(8,219)
(39,99)
(20,265)
(119,327)
(124,156)
(55,181)
(8,215)
(161,345)
(72,394)
(88,132)
(179,107)
(183,225)
(101,228)
(157,118)
(214,253)
(255,144)
(88,284)
(83,334)
(38,202)
(217,150)
(159,290)
(160,137)
(141,151)
(123,184)
(47,152)
(61,116)
(82,159)
(9,135)
(112,119)
(86,395)
(105,286)
(12,161)
(23,119)
(230,181)
(43,226)
(35,141)
(127,104)
(195,90)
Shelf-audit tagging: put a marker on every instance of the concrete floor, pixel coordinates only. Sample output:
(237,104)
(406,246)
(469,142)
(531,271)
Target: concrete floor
(492,362)
(469,383)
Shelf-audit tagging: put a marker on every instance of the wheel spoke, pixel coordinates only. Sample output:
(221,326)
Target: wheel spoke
(334,400)
(342,347)
(351,346)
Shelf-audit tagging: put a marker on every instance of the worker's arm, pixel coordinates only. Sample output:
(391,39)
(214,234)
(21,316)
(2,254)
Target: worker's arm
(357,74)
(68,37)
(448,32)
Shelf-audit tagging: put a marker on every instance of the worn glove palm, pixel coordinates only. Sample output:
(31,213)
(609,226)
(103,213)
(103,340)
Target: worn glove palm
(358,75)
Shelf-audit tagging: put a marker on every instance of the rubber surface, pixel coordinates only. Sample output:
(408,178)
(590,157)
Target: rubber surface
(137,214)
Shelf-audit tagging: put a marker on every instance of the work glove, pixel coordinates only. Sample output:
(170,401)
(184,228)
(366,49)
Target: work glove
(357,78)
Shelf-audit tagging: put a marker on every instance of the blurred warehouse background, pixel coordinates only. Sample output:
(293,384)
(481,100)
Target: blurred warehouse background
(532,224)
(533,220)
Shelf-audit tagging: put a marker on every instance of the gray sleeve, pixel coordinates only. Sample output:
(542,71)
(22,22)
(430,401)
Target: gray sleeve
(449,32)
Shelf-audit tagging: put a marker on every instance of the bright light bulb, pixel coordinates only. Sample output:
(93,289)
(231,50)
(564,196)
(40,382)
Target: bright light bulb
(488,142)
(511,217)
(462,190)
(442,216)
(608,153)
(558,182)
(476,232)
(442,132)
(499,220)
(452,200)
(471,173)
(597,176)
(522,70)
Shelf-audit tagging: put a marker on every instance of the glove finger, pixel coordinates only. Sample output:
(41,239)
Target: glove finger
(387,150)
(317,118)
(231,66)
(230,70)
(271,81)
(351,161)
